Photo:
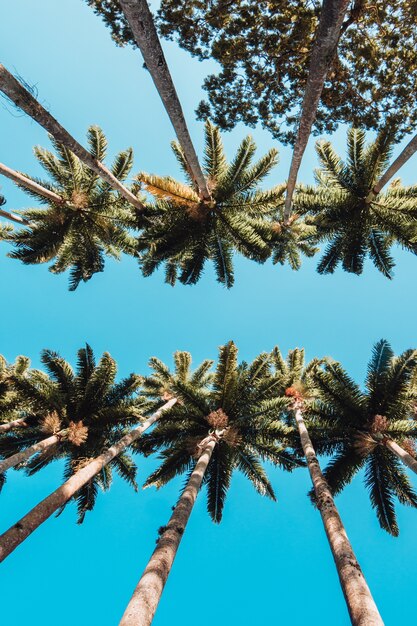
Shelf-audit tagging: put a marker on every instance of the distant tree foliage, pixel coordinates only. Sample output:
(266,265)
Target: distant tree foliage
(263,48)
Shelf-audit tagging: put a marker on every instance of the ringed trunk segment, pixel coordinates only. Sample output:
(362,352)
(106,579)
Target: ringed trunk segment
(140,20)
(22,456)
(401,159)
(23,181)
(144,602)
(402,454)
(20,423)
(24,100)
(360,603)
(324,49)
(16,534)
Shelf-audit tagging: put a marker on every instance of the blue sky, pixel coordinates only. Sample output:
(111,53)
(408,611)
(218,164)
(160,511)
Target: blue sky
(266,562)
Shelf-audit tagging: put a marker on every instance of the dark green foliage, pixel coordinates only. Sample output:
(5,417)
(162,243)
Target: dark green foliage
(89,411)
(91,222)
(339,207)
(263,49)
(184,231)
(238,404)
(12,405)
(364,420)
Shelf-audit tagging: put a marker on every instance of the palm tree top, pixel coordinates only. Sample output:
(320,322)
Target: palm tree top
(239,409)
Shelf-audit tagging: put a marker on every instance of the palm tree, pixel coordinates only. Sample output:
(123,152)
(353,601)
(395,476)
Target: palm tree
(12,407)
(159,387)
(140,21)
(378,429)
(395,166)
(296,384)
(184,231)
(354,226)
(86,222)
(24,100)
(30,184)
(322,56)
(292,238)
(230,425)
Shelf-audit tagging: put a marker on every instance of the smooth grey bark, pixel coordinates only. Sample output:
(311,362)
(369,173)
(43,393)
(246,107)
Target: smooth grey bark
(402,454)
(19,423)
(13,218)
(24,100)
(360,603)
(141,22)
(17,533)
(144,602)
(22,456)
(23,181)
(324,50)
(401,159)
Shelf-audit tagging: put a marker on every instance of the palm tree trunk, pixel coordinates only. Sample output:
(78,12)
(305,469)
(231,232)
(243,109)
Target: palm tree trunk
(16,534)
(144,602)
(402,454)
(13,218)
(24,100)
(23,181)
(361,606)
(20,423)
(22,456)
(401,159)
(324,50)
(140,20)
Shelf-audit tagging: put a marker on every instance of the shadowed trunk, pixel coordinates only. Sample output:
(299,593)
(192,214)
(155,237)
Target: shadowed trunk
(13,218)
(144,602)
(15,535)
(20,423)
(24,100)
(361,606)
(402,454)
(140,20)
(23,181)
(22,456)
(324,50)
(401,159)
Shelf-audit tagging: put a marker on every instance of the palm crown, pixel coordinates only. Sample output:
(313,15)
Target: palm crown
(88,410)
(355,224)
(12,405)
(240,410)
(87,225)
(357,423)
(184,231)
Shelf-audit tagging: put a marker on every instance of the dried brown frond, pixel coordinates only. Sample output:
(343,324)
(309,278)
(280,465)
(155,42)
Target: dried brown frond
(379,424)
(409,446)
(217,419)
(79,199)
(364,444)
(51,424)
(77,433)
(232,436)
(294,392)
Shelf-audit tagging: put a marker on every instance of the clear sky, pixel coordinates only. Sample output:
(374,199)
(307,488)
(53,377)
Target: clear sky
(266,563)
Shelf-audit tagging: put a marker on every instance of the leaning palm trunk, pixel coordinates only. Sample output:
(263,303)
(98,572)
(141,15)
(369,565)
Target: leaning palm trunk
(20,423)
(140,20)
(401,159)
(15,535)
(13,218)
(144,602)
(361,606)
(24,455)
(402,454)
(23,181)
(24,100)
(324,50)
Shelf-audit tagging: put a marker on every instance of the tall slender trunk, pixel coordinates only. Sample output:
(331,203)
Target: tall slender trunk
(140,20)
(22,456)
(361,606)
(324,50)
(144,602)
(401,159)
(16,534)
(24,100)
(23,181)
(402,454)
(20,423)
(13,218)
